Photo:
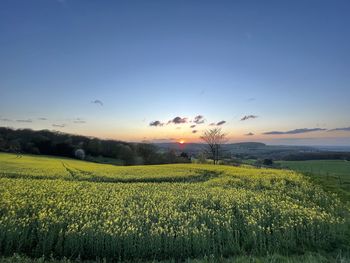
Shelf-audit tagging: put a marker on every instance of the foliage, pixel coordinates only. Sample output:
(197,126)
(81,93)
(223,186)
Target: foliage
(306,258)
(70,208)
(79,154)
(326,155)
(63,144)
(267,162)
(214,138)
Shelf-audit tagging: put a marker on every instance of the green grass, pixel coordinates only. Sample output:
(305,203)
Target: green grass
(333,175)
(68,208)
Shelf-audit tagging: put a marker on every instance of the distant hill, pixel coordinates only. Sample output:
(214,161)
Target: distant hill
(47,142)
(200,146)
(334,148)
(253,150)
(248,145)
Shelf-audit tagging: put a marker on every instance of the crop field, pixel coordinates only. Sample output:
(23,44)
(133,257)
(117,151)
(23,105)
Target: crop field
(333,175)
(65,208)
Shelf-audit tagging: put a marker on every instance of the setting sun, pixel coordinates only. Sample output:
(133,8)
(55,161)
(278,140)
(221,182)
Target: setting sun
(168,131)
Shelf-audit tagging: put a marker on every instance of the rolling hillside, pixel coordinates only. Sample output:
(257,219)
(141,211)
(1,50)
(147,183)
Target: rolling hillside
(67,208)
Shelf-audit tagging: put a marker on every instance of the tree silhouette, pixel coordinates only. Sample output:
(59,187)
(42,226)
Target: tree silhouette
(214,138)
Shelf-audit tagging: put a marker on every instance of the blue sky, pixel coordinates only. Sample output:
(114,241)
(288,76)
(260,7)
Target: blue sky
(286,62)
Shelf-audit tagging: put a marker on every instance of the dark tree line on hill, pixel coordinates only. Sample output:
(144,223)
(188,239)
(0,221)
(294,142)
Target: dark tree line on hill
(318,156)
(62,144)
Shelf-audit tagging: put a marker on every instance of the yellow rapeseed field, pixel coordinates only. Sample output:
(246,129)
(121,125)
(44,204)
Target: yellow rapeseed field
(67,208)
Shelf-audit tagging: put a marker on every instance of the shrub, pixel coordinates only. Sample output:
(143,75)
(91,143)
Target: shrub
(79,154)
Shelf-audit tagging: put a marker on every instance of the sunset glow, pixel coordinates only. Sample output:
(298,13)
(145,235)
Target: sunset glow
(253,77)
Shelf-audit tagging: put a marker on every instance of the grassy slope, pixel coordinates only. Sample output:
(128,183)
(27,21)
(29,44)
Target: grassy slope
(262,183)
(333,175)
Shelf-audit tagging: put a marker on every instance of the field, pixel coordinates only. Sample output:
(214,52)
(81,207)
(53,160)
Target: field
(65,208)
(333,175)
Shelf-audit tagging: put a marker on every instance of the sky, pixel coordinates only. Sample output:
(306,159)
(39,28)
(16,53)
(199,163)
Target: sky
(271,71)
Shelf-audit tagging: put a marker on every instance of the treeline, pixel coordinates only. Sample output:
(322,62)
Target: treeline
(318,156)
(62,144)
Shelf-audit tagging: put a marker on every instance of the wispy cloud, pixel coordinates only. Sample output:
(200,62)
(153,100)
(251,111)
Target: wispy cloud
(212,124)
(42,119)
(199,119)
(27,120)
(156,123)
(79,121)
(58,125)
(178,120)
(220,123)
(296,131)
(249,134)
(247,117)
(5,119)
(340,129)
(99,102)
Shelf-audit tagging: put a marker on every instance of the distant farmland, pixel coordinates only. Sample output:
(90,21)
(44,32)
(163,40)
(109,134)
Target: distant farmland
(331,174)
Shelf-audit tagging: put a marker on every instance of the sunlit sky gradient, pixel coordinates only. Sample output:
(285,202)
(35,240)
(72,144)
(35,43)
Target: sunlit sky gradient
(286,62)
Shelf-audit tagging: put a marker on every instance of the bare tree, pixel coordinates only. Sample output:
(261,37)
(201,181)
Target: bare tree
(214,138)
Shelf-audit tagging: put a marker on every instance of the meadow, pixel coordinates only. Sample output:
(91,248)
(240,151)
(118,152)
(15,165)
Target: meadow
(333,175)
(57,207)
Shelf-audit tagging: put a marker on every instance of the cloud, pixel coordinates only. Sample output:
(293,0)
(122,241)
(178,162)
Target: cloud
(249,134)
(251,99)
(156,123)
(178,120)
(59,125)
(97,102)
(79,120)
(28,120)
(296,131)
(199,119)
(340,129)
(220,123)
(247,117)
(5,119)
(194,131)
(212,124)
(192,126)
(42,119)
